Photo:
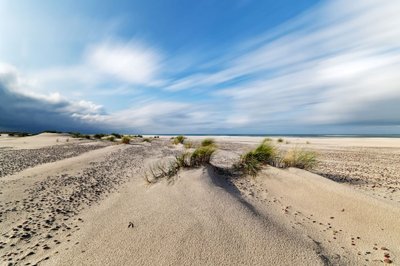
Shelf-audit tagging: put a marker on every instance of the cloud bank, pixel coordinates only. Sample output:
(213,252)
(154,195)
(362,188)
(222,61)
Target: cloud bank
(332,69)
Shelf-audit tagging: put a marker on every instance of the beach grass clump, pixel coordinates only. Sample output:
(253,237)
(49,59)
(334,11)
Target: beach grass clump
(111,138)
(183,160)
(208,142)
(300,158)
(252,161)
(125,140)
(118,136)
(162,169)
(280,140)
(202,155)
(99,136)
(188,145)
(79,135)
(249,164)
(147,140)
(179,139)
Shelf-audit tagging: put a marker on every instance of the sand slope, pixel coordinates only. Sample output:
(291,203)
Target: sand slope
(353,227)
(76,210)
(192,222)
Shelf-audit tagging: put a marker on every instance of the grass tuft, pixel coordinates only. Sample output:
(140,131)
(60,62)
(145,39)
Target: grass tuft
(202,155)
(208,142)
(300,159)
(179,139)
(188,145)
(125,140)
(147,140)
(280,140)
(252,161)
(183,160)
(111,138)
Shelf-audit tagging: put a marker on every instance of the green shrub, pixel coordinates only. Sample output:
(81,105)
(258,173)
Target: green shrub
(147,140)
(280,140)
(201,155)
(208,142)
(179,139)
(125,140)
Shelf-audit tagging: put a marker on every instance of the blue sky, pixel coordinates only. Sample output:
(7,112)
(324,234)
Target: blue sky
(200,66)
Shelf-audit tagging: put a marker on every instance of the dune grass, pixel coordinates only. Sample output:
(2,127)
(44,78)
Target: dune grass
(125,140)
(280,140)
(99,136)
(188,145)
(208,142)
(252,161)
(199,157)
(267,154)
(179,139)
(147,140)
(300,159)
(202,155)
(183,160)
(111,138)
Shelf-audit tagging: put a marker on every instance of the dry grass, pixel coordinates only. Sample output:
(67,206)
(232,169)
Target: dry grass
(300,159)
(188,145)
(179,139)
(125,140)
(208,142)
(266,154)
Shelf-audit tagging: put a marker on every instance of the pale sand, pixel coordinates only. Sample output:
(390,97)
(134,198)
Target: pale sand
(35,142)
(282,217)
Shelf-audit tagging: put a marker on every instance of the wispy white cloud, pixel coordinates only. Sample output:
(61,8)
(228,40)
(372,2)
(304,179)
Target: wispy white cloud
(129,62)
(336,64)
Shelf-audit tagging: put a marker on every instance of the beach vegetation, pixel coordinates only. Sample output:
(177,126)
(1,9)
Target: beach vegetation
(99,136)
(202,155)
(118,136)
(125,140)
(280,140)
(179,139)
(188,145)
(300,158)
(147,140)
(252,161)
(111,138)
(208,142)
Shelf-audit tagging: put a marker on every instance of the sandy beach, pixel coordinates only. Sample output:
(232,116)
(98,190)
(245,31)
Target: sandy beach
(69,201)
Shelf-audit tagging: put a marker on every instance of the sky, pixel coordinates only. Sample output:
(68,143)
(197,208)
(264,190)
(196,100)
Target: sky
(200,67)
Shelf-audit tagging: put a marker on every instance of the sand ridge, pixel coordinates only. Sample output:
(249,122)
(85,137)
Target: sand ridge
(94,208)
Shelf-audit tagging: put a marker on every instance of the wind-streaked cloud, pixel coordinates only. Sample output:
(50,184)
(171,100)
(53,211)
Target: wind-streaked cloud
(333,68)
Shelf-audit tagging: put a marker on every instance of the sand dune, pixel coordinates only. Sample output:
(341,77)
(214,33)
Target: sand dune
(94,208)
